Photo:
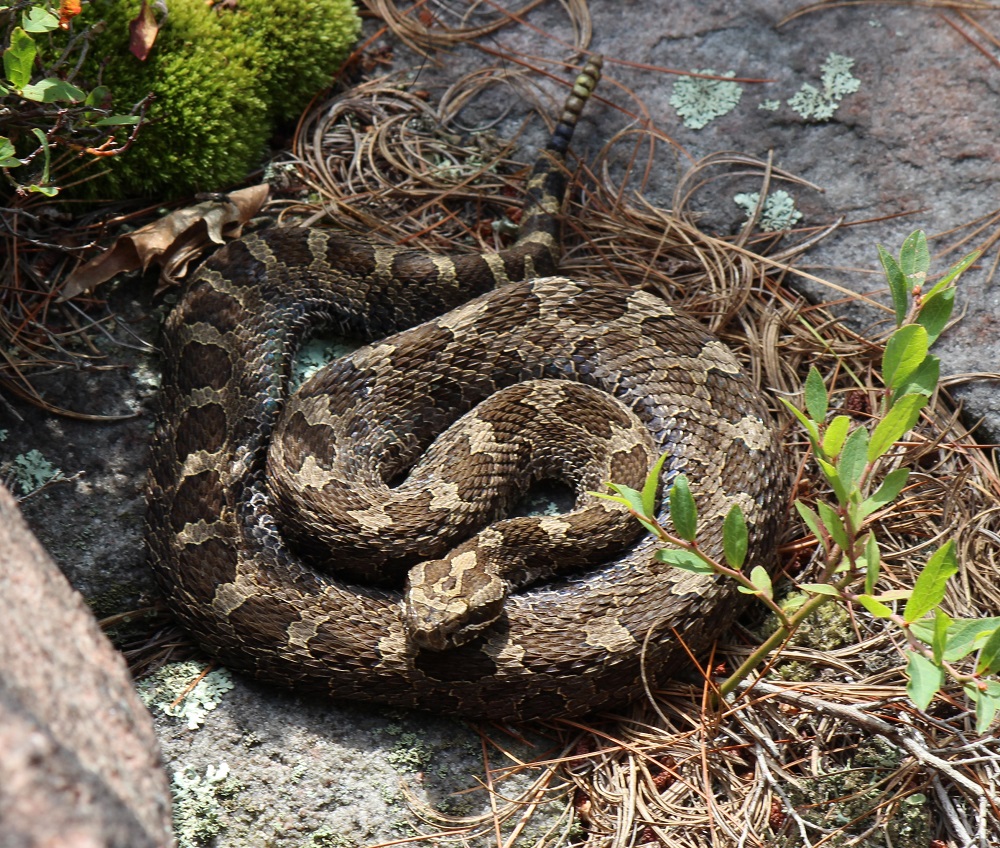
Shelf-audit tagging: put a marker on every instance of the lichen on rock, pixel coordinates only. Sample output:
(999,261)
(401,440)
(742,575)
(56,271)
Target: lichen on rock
(818,105)
(699,101)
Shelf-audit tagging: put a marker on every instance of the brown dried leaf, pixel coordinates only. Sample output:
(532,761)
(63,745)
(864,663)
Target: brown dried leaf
(173,241)
(142,32)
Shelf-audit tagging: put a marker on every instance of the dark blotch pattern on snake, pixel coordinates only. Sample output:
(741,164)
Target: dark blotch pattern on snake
(518,618)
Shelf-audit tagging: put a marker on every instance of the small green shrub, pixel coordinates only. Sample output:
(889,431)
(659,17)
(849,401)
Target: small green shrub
(849,456)
(43,110)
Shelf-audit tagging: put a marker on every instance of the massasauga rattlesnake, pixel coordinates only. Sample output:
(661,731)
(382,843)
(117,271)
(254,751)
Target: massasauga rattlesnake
(505,360)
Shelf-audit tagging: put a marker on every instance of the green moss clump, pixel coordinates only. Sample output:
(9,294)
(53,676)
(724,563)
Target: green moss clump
(305,43)
(222,78)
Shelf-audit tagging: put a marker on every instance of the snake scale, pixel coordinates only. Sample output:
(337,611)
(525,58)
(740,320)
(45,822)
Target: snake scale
(474,612)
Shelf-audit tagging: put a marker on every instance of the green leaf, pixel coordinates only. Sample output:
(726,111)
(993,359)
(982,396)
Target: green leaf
(923,381)
(816,396)
(904,352)
(792,603)
(821,589)
(810,426)
(872,562)
(935,312)
(897,422)
(986,709)
(762,580)
(97,95)
(629,498)
(897,284)
(812,521)
(874,606)
(833,476)
(734,537)
(942,621)
(894,595)
(810,517)
(100,96)
(925,679)
(836,432)
(37,19)
(607,497)
(43,142)
(118,121)
(989,655)
(19,57)
(854,458)
(52,91)
(683,511)
(964,635)
(987,701)
(626,495)
(651,528)
(891,486)
(685,560)
(8,157)
(834,526)
(651,486)
(915,258)
(954,272)
(992,687)
(931,583)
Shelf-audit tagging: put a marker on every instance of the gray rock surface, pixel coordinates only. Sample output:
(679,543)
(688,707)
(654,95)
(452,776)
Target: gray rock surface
(918,136)
(79,760)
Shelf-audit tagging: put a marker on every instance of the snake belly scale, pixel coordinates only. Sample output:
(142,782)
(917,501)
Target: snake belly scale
(455,343)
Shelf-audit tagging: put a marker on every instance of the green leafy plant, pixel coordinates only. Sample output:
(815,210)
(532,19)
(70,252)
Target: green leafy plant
(42,109)
(850,457)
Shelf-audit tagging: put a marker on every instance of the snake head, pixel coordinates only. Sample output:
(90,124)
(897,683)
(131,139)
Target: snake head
(451,601)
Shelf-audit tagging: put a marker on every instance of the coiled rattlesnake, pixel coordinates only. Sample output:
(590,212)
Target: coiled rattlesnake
(289,604)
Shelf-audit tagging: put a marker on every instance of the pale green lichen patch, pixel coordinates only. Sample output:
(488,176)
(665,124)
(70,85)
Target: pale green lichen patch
(410,753)
(164,690)
(779,212)
(197,812)
(837,81)
(698,100)
(30,471)
(327,837)
(769,105)
(317,353)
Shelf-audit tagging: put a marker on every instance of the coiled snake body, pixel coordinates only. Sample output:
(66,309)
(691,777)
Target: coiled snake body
(568,610)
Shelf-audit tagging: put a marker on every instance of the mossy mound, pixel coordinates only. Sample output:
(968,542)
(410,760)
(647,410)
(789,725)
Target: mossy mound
(222,77)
